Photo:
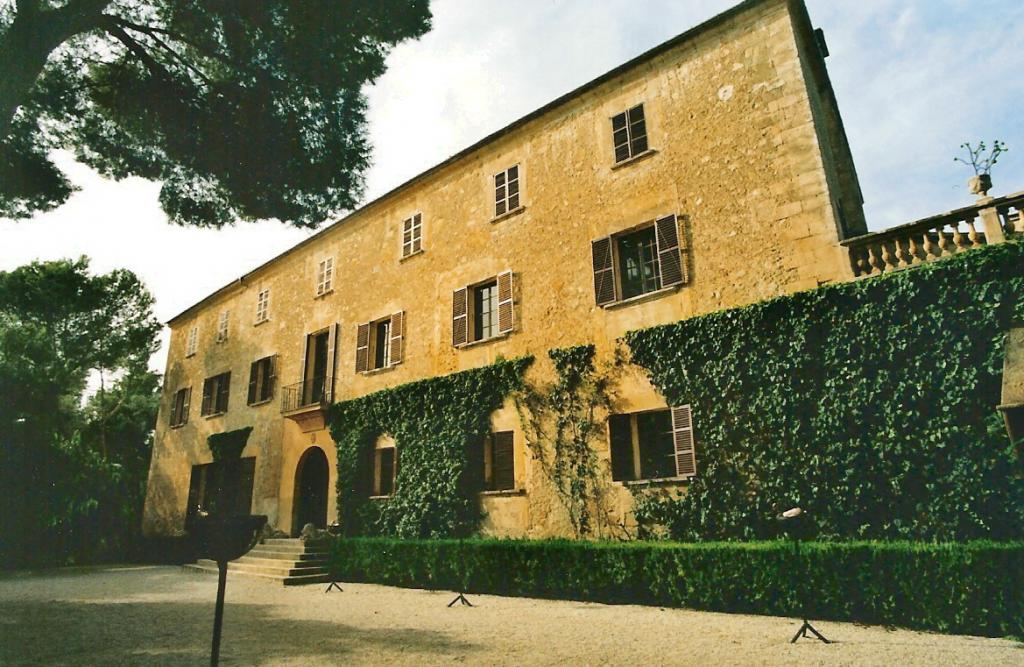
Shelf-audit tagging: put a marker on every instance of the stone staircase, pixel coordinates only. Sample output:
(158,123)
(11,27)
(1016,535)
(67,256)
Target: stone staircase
(290,561)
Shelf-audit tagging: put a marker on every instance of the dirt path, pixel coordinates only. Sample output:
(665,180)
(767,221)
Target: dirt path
(163,616)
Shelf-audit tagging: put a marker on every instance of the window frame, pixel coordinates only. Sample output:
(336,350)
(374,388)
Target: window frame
(377,486)
(502,202)
(633,138)
(180,404)
(325,276)
(262,380)
(216,386)
(670,258)
(413,227)
(223,326)
(192,341)
(262,306)
(673,435)
(465,307)
(490,455)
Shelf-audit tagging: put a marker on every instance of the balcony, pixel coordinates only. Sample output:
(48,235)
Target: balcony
(990,220)
(306,402)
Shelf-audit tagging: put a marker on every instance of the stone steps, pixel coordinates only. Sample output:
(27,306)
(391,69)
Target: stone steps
(289,561)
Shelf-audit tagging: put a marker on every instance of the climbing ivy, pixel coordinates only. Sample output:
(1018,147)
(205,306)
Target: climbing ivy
(561,424)
(870,403)
(434,422)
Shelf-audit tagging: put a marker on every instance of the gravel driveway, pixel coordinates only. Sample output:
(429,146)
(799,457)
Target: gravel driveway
(163,616)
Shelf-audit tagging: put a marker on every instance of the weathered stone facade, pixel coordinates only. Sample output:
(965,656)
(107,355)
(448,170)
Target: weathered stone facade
(747,151)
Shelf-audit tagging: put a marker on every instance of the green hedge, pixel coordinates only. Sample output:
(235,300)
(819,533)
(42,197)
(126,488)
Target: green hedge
(870,403)
(970,588)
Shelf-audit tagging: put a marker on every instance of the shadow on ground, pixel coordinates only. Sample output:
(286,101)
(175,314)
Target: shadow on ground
(163,632)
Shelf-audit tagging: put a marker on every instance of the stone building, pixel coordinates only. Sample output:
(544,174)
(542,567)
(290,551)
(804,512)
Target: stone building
(710,172)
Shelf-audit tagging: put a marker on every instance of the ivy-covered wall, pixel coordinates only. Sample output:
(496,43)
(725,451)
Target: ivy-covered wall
(433,422)
(871,404)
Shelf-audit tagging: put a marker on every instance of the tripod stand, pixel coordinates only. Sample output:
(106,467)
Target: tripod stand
(794,519)
(461,597)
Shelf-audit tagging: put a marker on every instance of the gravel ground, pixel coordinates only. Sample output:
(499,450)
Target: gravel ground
(163,616)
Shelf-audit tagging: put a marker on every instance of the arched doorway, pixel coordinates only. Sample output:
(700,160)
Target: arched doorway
(311,477)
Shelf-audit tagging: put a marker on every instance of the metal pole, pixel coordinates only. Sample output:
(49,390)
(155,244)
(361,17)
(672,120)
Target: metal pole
(218,615)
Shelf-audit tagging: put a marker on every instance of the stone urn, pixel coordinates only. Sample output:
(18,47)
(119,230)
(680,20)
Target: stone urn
(225,538)
(980,184)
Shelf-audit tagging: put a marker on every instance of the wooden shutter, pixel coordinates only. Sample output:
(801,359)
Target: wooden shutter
(396,351)
(604,271)
(620,436)
(207,406)
(362,348)
(185,405)
(620,136)
(506,306)
(503,462)
(270,379)
(682,438)
(460,317)
(332,366)
(670,258)
(254,376)
(223,392)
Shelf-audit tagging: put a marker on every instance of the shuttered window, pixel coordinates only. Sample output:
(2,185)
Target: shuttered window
(380,344)
(179,407)
(216,390)
(629,133)
(261,380)
(193,341)
(325,276)
(506,191)
(652,445)
(222,326)
(412,235)
(263,306)
(484,310)
(385,471)
(499,462)
(638,262)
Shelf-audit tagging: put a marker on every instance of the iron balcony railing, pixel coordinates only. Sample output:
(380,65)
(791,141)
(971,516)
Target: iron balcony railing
(310,393)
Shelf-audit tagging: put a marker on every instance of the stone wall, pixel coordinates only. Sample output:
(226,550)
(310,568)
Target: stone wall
(737,156)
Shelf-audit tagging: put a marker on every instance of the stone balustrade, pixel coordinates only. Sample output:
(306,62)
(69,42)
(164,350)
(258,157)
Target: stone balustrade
(990,220)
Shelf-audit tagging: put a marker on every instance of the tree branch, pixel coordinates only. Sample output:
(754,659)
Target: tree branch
(166,47)
(151,63)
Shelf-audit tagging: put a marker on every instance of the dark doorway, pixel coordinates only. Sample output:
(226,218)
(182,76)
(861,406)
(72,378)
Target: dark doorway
(311,477)
(222,487)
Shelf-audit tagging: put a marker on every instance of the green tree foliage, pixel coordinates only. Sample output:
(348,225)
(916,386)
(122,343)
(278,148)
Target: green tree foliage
(872,404)
(244,110)
(438,425)
(73,471)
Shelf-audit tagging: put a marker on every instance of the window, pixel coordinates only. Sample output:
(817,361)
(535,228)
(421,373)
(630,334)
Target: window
(261,380)
(629,133)
(652,445)
(263,306)
(499,462)
(215,394)
(638,262)
(318,367)
(385,470)
(223,487)
(193,341)
(412,235)
(380,344)
(506,191)
(179,407)
(484,310)
(222,327)
(325,276)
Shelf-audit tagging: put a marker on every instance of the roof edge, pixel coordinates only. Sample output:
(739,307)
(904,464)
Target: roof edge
(644,57)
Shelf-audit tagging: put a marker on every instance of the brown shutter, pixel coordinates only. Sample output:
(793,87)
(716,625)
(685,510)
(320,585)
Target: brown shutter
(670,259)
(460,317)
(503,462)
(223,392)
(604,271)
(682,438)
(396,352)
(207,406)
(254,375)
(332,365)
(362,348)
(506,307)
(620,436)
(269,381)
(174,408)
(184,408)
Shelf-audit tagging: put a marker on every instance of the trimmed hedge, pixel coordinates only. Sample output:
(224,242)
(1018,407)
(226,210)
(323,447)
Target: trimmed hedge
(970,588)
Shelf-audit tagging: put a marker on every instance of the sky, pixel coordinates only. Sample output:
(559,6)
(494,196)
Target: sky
(914,80)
